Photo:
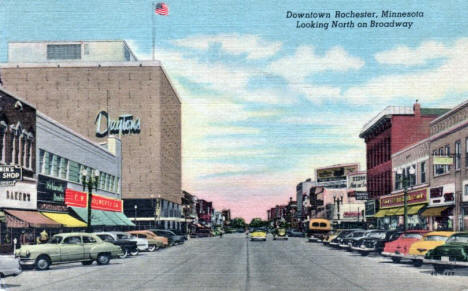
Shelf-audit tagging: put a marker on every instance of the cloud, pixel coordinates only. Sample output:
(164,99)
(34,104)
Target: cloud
(295,68)
(406,56)
(253,46)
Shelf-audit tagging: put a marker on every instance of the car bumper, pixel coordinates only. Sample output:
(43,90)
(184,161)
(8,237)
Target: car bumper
(449,263)
(343,246)
(26,262)
(258,238)
(363,249)
(395,255)
(333,244)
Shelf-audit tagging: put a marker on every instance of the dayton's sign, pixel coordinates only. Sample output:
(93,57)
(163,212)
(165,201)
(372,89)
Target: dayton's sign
(124,125)
(80,199)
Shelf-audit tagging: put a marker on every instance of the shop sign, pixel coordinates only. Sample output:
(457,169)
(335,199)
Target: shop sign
(351,214)
(51,207)
(9,175)
(414,197)
(21,195)
(370,207)
(80,199)
(442,160)
(122,126)
(360,195)
(51,190)
(335,173)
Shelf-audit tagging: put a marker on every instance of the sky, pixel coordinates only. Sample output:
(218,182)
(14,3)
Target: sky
(264,103)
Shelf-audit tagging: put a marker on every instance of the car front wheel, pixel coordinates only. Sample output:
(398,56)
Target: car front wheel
(124,253)
(151,248)
(42,263)
(135,252)
(103,259)
(417,263)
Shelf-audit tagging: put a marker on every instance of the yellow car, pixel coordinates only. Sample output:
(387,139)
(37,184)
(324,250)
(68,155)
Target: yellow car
(258,234)
(333,234)
(429,241)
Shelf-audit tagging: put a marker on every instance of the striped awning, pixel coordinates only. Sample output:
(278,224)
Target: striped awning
(26,219)
(65,219)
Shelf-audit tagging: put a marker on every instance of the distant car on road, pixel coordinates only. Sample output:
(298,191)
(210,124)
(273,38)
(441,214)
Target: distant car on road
(258,234)
(68,248)
(280,233)
(295,233)
(375,241)
(9,266)
(201,232)
(172,238)
(121,239)
(154,242)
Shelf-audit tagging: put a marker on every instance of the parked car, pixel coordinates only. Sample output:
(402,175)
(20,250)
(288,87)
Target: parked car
(347,241)
(330,236)
(9,266)
(429,241)
(399,248)
(258,234)
(337,240)
(356,241)
(318,229)
(375,242)
(280,233)
(180,232)
(68,248)
(121,239)
(201,232)
(172,238)
(295,233)
(452,254)
(154,242)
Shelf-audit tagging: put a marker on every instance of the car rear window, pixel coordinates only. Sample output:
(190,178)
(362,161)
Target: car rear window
(413,235)
(56,239)
(458,238)
(123,236)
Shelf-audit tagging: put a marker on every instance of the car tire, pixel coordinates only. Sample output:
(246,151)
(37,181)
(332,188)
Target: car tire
(417,263)
(396,259)
(42,263)
(103,259)
(124,253)
(439,268)
(87,263)
(152,248)
(364,253)
(134,252)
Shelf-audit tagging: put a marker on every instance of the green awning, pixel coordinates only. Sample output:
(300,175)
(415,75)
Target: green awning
(124,219)
(97,216)
(118,218)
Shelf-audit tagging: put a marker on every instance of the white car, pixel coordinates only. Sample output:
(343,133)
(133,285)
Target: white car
(9,266)
(142,243)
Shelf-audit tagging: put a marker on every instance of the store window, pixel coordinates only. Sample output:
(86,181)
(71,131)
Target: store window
(457,155)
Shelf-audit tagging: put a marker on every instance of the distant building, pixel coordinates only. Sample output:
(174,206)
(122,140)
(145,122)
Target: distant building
(334,176)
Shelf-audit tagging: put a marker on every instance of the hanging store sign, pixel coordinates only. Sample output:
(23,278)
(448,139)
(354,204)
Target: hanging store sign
(51,190)
(21,195)
(122,126)
(361,195)
(442,160)
(9,175)
(80,199)
(414,197)
(370,207)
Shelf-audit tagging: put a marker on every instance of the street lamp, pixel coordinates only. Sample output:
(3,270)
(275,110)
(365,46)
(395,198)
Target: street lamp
(89,182)
(404,179)
(136,207)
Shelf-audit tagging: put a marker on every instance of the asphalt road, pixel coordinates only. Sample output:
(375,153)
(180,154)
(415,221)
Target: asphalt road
(234,263)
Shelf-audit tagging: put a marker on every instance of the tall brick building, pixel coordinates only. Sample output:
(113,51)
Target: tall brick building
(81,83)
(393,129)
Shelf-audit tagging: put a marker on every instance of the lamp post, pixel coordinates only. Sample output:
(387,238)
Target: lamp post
(404,179)
(136,208)
(89,182)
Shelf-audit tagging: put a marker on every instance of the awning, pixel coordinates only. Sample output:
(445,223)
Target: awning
(381,213)
(65,219)
(434,211)
(411,209)
(25,219)
(105,218)
(392,211)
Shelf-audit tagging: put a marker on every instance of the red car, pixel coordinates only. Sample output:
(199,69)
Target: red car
(398,248)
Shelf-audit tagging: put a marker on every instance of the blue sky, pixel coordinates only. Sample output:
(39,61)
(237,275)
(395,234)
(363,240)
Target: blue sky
(264,103)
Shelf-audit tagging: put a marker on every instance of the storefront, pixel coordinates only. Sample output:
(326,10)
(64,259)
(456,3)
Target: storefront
(441,207)
(106,213)
(392,209)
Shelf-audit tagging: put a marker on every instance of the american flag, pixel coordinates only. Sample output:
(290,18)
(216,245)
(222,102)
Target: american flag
(162,9)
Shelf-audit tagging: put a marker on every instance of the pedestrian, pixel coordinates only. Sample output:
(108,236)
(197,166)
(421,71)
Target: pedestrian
(221,234)
(44,237)
(23,238)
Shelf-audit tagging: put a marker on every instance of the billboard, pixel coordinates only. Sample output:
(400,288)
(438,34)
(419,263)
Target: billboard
(334,173)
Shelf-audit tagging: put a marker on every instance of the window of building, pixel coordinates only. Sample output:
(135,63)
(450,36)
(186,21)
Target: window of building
(423,172)
(74,172)
(20,151)
(447,153)
(466,152)
(13,148)
(55,166)
(2,141)
(457,155)
(63,168)
(63,51)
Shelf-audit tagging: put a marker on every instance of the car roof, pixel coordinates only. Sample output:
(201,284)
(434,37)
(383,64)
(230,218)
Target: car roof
(441,233)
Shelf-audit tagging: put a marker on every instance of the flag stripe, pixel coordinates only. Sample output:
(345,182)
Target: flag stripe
(162,9)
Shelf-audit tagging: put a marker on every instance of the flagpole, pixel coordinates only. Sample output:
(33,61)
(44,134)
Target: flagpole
(153,4)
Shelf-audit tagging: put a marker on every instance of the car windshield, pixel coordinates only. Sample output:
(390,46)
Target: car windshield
(458,238)
(435,238)
(258,229)
(123,236)
(413,235)
(377,234)
(56,239)
(358,234)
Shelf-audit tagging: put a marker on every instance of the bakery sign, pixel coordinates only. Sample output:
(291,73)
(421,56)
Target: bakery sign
(80,199)
(414,197)
(125,124)
(22,195)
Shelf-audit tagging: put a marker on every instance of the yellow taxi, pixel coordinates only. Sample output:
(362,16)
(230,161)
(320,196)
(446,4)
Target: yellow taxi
(258,233)
(429,241)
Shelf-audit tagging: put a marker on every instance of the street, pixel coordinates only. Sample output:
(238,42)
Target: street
(235,263)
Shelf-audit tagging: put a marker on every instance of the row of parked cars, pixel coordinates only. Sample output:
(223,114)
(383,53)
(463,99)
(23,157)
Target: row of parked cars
(88,247)
(443,249)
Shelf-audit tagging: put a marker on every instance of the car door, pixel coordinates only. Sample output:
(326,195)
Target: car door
(71,249)
(88,243)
